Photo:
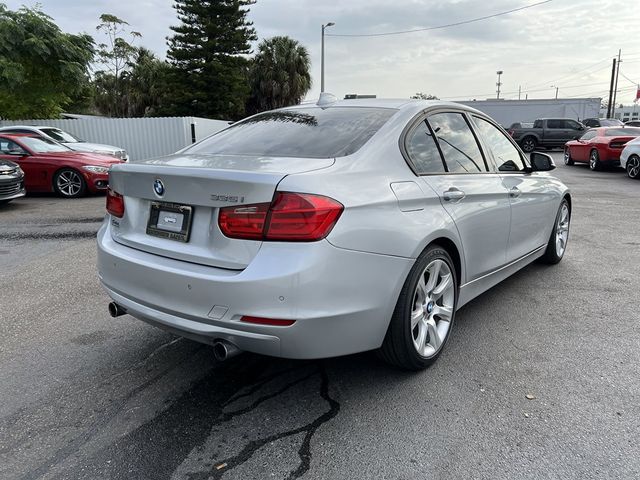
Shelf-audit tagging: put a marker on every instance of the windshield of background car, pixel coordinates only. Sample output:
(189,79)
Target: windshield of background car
(60,135)
(622,132)
(305,132)
(43,145)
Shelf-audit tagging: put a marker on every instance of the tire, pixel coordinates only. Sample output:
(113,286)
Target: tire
(69,183)
(557,245)
(594,161)
(529,144)
(431,312)
(567,157)
(4,202)
(633,167)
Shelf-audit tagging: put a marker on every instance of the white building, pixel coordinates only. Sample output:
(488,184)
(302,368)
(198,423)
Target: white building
(625,113)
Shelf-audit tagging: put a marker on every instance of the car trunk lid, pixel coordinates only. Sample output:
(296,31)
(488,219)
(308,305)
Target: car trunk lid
(160,196)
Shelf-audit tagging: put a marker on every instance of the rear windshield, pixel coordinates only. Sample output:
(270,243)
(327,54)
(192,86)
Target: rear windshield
(622,132)
(305,132)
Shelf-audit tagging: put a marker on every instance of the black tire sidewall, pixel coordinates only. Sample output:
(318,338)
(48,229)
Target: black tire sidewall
(551,255)
(627,167)
(402,314)
(83,188)
(526,141)
(567,157)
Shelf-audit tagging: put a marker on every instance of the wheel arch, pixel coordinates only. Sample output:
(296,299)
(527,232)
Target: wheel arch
(454,252)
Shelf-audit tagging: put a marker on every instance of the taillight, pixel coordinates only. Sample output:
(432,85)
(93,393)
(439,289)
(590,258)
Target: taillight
(115,203)
(294,217)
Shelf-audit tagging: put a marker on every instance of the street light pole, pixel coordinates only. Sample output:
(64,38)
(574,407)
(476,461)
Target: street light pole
(498,83)
(330,24)
(553,86)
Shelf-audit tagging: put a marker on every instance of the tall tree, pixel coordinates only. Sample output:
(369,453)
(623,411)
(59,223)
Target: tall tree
(42,68)
(279,74)
(115,55)
(207,51)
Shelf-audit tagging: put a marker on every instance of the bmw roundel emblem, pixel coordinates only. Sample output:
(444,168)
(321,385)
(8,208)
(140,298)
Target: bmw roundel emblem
(158,187)
(430,307)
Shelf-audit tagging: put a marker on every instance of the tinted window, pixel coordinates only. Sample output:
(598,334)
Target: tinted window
(306,132)
(504,152)
(537,124)
(8,147)
(459,146)
(555,124)
(60,135)
(620,132)
(18,130)
(588,135)
(423,151)
(572,124)
(591,122)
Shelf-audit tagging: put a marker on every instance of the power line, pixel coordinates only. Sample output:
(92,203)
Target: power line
(464,22)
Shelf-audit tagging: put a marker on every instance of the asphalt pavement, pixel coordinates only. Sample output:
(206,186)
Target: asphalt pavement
(540,378)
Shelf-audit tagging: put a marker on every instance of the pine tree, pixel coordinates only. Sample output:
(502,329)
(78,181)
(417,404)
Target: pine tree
(209,75)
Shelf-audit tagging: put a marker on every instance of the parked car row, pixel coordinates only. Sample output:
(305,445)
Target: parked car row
(68,140)
(49,166)
(606,147)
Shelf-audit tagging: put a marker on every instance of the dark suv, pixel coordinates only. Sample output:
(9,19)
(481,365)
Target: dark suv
(602,122)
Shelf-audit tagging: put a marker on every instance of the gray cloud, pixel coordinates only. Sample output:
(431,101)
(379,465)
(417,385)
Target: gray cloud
(559,42)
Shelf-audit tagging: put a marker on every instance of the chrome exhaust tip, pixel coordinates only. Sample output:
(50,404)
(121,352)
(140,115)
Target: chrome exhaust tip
(116,310)
(223,350)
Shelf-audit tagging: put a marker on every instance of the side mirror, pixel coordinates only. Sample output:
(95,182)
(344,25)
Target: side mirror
(18,153)
(541,162)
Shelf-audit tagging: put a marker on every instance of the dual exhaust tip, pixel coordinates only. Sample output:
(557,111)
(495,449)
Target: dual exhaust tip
(222,350)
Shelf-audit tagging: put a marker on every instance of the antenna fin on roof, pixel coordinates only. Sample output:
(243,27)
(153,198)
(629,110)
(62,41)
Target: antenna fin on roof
(326,99)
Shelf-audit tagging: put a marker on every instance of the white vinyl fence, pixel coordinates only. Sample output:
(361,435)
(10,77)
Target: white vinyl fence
(142,138)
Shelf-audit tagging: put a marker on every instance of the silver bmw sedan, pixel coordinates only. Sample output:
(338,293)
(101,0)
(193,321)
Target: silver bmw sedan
(329,229)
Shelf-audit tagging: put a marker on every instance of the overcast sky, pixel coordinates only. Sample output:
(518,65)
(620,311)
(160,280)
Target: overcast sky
(563,43)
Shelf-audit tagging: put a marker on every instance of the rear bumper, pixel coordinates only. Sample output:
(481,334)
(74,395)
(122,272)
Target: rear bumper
(342,300)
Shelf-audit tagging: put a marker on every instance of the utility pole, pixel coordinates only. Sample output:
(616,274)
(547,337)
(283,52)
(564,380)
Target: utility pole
(498,83)
(553,86)
(613,76)
(330,24)
(519,91)
(615,89)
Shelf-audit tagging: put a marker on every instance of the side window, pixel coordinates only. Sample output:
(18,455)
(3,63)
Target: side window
(537,124)
(8,147)
(588,135)
(573,125)
(457,142)
(423,151)
(555,124)
(507,156)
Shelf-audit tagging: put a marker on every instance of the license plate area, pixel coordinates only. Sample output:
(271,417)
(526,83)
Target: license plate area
(170,220)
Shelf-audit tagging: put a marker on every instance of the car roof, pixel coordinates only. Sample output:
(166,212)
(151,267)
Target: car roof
(404,104)
(18,135)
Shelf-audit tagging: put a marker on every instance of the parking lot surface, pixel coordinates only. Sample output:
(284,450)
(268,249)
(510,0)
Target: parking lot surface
(539,379)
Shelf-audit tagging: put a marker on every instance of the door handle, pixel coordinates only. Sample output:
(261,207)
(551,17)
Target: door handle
(514,192)
(453,194)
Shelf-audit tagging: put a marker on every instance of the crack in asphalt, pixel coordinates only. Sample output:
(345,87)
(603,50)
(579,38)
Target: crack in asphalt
(191,419)
(304,452)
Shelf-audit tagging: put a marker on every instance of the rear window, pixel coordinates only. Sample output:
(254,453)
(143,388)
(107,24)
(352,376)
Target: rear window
(622,132)
(305,132)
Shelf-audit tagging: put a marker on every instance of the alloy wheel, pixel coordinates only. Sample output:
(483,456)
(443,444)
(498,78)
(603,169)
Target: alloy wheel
(593,160)
(432,311)
(562,230)
(69,183)
(633,166)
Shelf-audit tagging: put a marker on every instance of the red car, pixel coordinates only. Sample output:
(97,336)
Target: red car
(52,167)
(599,147)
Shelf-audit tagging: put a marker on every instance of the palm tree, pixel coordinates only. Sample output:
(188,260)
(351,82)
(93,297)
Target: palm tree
(279,74)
